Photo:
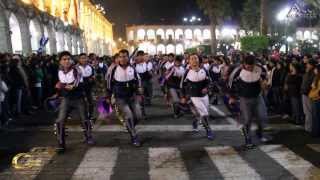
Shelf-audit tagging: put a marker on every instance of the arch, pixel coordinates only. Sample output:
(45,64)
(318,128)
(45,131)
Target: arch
(65,40)
(179,34)
(4,32)
(314,35)
(169,34)
(152,49)
(141,33)
(179,49)
(206,34)
(160,32)
(299,35)
(46,35)
(170,49)
(16,41)
(307,35)
(151,34)
(60,41)
(144,46)
(189,34)
(161,49)
(197,34)
(35,32)
(131,35)
(242,33)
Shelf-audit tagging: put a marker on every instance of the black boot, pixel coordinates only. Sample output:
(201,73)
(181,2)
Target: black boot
(88,133)
(131,129)
(245,130)
(206,125)
(176,110)
(260,135)
(60,133)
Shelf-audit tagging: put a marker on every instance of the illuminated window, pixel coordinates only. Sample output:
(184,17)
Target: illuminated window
(160,32)
(131,35)
(188,34)
(35,32)
(15,34)
(197,34)
(151,34)
(299,35)
(170,33)
(179,49)
(170,49)
(179,34)
(141,34)
(206,34)
(161,49)
(307,35)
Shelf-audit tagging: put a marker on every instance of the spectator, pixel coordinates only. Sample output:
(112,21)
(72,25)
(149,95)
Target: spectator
(305,90)
(314,95)
(292,88)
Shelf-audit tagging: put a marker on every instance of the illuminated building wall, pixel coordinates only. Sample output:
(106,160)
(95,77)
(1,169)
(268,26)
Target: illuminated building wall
(160,39)
(74,25)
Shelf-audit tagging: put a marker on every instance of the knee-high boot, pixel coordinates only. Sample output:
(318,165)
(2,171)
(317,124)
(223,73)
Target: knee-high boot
(206,125)
(60,133)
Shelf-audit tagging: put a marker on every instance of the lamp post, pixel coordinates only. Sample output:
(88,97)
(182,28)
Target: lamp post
(283,16)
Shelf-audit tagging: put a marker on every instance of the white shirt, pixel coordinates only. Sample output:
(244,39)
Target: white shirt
(141,67)
(86,70)
(196,76)
(206,66)
(249,77)
(216,69)
(178,71)
(67,78)
(168,65)
(124,75)
(3,90)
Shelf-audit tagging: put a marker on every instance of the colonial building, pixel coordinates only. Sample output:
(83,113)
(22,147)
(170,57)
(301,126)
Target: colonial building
(74,25)
(156,39)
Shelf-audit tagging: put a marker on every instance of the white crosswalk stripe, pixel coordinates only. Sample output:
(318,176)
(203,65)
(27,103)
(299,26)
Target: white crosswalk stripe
(315,147)
(221,113)
(230,164)
(166,164)
(296,165)
(97,163)
(158,128)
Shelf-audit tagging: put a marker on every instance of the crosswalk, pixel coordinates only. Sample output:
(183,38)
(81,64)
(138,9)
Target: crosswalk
(172,163)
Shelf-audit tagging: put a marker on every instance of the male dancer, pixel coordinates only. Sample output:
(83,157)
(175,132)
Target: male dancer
(124,83)
(70,89)
(195,84)
(87,72)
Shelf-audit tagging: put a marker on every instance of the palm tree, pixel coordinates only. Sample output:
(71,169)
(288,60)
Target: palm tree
(215,10)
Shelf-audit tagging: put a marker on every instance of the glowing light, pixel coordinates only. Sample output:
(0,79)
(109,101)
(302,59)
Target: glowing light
(283,14)
(228,32)
(289,39)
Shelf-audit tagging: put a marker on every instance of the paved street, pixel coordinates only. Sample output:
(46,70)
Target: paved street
(170,150)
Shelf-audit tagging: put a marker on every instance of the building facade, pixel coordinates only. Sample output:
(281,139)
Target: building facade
(164,39)
(73,25)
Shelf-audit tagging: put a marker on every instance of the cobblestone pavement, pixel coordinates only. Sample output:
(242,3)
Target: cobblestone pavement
(170,151)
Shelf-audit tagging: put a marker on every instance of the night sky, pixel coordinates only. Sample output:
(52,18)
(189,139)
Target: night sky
(128,12)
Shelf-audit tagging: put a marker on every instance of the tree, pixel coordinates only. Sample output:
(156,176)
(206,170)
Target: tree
(250,15)
(263,17)
(256,44)
(216,10)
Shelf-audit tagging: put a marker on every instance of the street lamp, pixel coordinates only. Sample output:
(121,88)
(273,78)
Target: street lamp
(289,39)
(192,19)
(283,14)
